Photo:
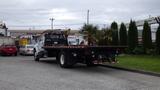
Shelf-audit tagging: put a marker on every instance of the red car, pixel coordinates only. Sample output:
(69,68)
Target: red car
(8,50)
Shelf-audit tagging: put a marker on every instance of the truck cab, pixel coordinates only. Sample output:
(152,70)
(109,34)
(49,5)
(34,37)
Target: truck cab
(48,38)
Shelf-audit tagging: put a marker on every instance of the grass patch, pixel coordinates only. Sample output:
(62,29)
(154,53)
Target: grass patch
(140,62)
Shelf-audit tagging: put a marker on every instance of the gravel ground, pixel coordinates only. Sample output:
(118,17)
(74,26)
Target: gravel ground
(22,73)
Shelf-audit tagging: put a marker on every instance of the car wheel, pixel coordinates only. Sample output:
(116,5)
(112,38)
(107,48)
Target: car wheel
(15,54)
(36,58)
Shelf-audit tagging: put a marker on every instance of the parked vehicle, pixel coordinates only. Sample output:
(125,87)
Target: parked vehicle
(7,46)
(55,44)
(6,41)
(25,40)
(26,50)
(8,50)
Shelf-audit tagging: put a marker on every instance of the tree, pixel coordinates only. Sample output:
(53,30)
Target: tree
(90,28)
(114,28)
(132,36)
(158,40)
(91,31)
(123,34)
(104,37)
(146,36)
(135,33)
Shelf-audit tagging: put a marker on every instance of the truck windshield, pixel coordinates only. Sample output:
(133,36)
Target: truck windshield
(56,36)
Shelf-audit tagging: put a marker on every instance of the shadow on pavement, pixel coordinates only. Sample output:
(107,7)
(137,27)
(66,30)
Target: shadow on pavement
(80,67)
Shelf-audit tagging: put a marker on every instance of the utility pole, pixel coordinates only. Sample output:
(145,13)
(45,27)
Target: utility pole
(52,19)
(88,17)
(150,16)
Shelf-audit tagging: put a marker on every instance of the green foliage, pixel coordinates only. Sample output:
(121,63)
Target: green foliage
(91,29)
(135,33)
(123,34)
(102,37)
(105,38)
(132,36)
(138,50)
(158,40)
(114,28)
(146,37)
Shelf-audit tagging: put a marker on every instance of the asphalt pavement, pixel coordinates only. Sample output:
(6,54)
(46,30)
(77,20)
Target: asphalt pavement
(23,73)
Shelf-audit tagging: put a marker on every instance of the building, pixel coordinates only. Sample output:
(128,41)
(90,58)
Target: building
(18,33)
(152,21)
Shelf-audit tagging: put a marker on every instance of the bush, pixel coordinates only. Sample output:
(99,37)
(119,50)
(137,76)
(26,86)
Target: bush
(128,51)
(151,51)
(138,50)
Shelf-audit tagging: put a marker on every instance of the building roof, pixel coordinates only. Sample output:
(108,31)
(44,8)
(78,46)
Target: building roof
(26,31)
(38,31)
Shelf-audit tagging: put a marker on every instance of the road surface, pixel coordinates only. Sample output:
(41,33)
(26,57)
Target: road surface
(22,73)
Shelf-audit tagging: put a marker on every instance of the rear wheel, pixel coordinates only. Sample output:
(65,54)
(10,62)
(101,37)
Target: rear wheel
(89,63)
(63,60)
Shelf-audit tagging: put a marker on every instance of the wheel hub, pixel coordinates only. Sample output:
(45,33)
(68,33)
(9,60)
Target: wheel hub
(62,59)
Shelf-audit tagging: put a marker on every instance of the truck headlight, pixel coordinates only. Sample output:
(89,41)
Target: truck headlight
(74,54)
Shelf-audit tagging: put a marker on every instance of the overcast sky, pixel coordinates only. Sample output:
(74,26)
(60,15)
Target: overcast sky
(72,13)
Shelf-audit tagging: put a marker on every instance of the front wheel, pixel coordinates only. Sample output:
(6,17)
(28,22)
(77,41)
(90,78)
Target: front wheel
(36,58)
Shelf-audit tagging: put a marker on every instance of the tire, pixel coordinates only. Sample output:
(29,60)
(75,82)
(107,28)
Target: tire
(15,54)
(36,58)
(22,54)
(89,63)
(63,60)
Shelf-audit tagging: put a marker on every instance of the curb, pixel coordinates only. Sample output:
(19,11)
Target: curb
(133,70)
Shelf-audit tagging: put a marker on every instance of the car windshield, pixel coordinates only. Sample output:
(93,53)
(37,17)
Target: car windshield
(22,46)
(30,46)
(9,46)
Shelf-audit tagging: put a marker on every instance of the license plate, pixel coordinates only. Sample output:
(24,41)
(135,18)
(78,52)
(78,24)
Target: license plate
(97,62)
(10,49)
